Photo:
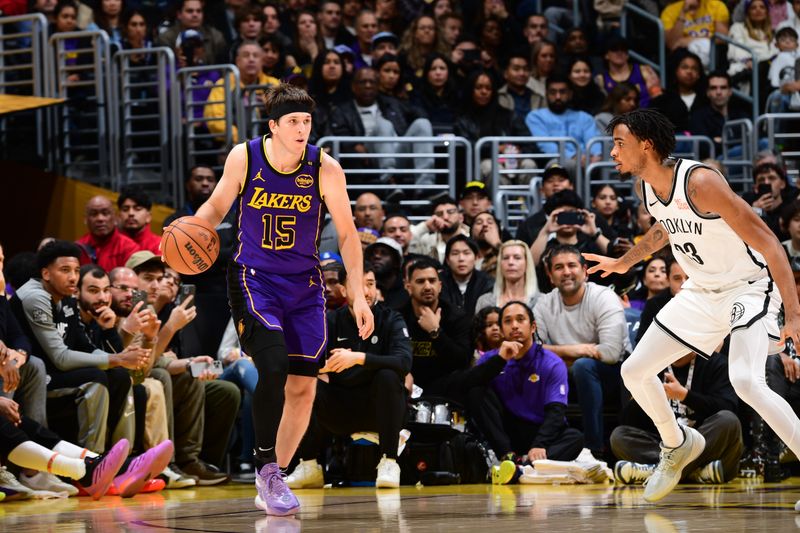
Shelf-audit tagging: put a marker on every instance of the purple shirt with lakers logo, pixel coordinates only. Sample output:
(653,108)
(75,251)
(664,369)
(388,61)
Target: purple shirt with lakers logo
(279,214)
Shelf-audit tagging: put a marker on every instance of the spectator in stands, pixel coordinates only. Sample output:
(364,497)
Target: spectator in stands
(249,61)
(486,332)
(18,270)
(772,201)
(675,278)
(213,407)
(516,95)
(96,314)
(190,17)
(585,235)
(482,116)
(45,7)
(437,93)
(466,56)
(386,258)
(691,24)
(65,19)
(275,57)
(390,81)
(451,27)
(792,16)
(586,95)
(474,200)
(462,283)
(398,228)
(361,389)
(515,277)
(558,120)
(702,397)
(49,314)
(790,224)
(493,35)
(373,114)
(439,332)
(202,335)
(368,211)
(522,411)
(418,42)
(623,97)
(104,245)
(329,18)
(135,34)
(653,282)
(431,236)
(307,42)
(612,208)
(384,43)
(329,85)
(543,65)
(555,178)
(585,325)
(620,68)
(335,296)
(488,235)
(782,69)
(536,29)
(710,118)
(756,34)
(576,44)
(366,25)
(108,17)
(249,22)
(685,92)
(134,218)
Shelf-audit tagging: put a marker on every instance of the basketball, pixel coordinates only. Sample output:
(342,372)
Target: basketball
(190,245)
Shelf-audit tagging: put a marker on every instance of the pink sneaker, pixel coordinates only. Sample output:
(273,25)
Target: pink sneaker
(101,470)
(274,496)
(143,468)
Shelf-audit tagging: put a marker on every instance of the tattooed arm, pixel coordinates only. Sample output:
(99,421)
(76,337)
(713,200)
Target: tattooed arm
(655,239)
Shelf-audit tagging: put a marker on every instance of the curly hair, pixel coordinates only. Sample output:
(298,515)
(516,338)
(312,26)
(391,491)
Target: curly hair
(648,125)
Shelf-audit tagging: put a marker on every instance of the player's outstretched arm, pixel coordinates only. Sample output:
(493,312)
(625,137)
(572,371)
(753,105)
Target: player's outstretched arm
(233,175)
(710,193)
(654,240)
(334,193)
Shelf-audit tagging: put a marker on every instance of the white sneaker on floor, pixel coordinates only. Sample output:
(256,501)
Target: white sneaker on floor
(174,480)
(16,490)
(306,475)
(388,474)
(671,464)
(49,482)
(712,474)
(630,473)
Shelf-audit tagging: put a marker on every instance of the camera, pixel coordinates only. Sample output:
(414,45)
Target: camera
(571,218)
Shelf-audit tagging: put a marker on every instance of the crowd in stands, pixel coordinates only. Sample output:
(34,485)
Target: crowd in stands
(503,322)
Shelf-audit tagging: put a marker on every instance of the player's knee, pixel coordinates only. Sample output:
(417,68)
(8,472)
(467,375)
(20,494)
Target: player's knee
(742,383)
(631,374)
(300,392)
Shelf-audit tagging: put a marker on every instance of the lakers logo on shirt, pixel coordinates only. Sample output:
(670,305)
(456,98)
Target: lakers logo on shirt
(533,378)
(304,181)
(259,177)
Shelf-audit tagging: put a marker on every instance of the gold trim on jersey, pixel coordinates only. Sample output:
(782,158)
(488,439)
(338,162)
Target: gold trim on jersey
(266,158)
(252,304)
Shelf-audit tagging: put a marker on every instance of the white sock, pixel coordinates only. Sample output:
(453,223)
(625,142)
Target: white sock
(70,450)
(37,457)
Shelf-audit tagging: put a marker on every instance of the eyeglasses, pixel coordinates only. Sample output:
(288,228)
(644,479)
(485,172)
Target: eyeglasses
(123,288)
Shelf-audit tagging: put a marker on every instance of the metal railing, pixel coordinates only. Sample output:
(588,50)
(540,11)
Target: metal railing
(147,138)
(201,145)
(660,67)
(496,156)
(511,207)
(737,153)
(256,120)
(782,133)
(753,97)
(78,66)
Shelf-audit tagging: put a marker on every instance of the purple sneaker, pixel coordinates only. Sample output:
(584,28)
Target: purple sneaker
(143,468)
(100,471)
(274,496)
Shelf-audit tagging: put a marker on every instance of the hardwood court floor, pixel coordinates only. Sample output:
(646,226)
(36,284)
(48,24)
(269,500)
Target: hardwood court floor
(743,505)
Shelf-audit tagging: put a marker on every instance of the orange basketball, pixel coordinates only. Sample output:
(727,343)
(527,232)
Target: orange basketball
(190,245)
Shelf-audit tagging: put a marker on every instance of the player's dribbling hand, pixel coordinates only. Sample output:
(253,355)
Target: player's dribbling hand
(606,265)
(364,318)
(791,330)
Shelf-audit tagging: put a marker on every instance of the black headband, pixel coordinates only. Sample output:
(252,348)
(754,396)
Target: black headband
(288,107)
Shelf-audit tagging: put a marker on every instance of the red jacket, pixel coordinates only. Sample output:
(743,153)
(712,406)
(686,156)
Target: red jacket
(147,240)
(114,251)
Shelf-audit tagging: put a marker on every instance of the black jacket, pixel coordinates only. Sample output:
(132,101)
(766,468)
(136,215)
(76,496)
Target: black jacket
(710,393)
(389,345)
(671,104)
(11,333)
(450,351)
(709,122)
(479,283)
(345,120)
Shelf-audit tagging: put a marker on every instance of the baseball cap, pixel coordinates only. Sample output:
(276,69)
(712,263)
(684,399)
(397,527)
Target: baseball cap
(138,259)
(555,170)
(330,256)
(384,36)
(475,186)
(189,35)
(389,243)
(343,49)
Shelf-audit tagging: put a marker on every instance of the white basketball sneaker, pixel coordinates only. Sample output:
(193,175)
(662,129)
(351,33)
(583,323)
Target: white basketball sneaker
(388,474)
(671,464)
(307,475)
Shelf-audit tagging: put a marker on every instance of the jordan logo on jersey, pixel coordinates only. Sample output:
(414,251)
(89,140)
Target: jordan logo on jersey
(258,176)
(311,282)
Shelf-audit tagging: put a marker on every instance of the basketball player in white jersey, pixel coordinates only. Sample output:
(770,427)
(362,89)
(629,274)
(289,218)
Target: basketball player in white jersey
(738,276)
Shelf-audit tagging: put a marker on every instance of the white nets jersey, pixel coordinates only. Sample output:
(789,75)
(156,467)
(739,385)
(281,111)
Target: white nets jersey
(710,252)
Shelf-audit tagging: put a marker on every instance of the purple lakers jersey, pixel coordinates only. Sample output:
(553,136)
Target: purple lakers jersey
(279,214)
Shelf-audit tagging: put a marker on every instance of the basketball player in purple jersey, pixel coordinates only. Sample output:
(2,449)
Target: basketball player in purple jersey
(281,186)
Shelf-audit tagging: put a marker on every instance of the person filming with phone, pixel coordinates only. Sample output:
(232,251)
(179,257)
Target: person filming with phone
(568,223)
